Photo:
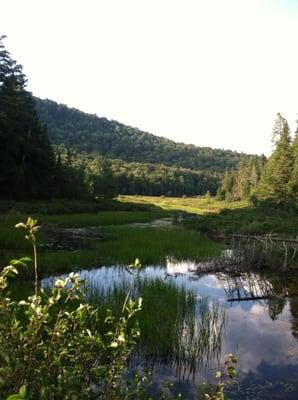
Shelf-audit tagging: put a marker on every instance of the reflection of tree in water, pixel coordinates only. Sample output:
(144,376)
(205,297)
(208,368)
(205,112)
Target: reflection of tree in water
(292,286)
(274,289)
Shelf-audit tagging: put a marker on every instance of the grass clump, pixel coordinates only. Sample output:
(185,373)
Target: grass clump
(153,246)
(175,328)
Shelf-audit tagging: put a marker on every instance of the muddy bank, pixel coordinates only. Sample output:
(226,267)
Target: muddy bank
(70,239)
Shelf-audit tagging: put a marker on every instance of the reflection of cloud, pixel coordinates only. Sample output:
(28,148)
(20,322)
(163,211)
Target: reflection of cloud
(211,281)
(258,309)
(255,338)
(174,267)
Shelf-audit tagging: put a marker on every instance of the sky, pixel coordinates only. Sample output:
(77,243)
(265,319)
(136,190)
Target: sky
(207,72)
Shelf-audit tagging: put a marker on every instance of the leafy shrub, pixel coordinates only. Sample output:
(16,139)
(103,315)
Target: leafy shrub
(51,347)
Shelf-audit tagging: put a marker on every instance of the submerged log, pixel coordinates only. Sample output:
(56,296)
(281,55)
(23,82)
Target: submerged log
(261,298)
(250,298)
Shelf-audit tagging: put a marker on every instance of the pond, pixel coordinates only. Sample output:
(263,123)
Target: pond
(191,320)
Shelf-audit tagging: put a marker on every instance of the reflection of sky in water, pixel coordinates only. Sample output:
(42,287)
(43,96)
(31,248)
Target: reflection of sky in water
(266,348)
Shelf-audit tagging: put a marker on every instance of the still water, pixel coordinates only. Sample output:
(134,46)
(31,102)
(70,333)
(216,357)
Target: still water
(252,315)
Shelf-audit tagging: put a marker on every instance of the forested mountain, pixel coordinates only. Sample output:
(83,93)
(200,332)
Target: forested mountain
(89,133)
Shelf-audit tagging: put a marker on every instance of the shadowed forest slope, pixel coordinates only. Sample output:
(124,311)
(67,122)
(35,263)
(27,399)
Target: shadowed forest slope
(89,133)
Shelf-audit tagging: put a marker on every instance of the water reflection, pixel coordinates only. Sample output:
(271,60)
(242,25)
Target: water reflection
(189,325)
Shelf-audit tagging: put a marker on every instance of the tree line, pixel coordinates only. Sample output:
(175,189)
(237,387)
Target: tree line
(274,181)
(103,175)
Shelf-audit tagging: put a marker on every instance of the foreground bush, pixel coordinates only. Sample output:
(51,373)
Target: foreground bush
(50,346)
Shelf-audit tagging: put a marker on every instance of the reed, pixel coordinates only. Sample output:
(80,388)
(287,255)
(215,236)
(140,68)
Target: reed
(176,329)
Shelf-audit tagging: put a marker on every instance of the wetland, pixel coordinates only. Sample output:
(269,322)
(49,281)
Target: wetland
(198,301)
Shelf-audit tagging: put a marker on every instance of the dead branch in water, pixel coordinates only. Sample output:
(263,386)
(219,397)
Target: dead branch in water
(266,244)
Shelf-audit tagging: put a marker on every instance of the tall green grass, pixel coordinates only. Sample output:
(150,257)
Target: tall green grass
(152,246)
(176,329)
(102,218)
(123,245)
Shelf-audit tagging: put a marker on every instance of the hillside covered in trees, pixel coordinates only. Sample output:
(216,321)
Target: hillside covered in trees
(140,163)
(91,134)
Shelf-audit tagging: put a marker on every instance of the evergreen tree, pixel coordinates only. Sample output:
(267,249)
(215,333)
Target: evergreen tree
(26,159)
(293,182)
(225,190)
(275,181)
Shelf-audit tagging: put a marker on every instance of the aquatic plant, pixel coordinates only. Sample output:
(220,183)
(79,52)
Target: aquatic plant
(175,328)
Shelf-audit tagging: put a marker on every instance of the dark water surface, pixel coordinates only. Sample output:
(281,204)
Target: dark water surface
(261,329)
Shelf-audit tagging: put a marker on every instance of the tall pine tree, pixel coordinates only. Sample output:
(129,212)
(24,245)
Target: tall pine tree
(275,181)
(26,158)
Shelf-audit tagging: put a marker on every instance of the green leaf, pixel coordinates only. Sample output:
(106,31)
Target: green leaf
(25,259)
(15,397)
(218,374)
(232,372)
(23,391)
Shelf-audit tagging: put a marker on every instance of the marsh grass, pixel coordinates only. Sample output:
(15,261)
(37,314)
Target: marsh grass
(122,246)
(217,217)
(176,329)
(152,246)
(194,205)
(251,220)
(13,239)
(102,218)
